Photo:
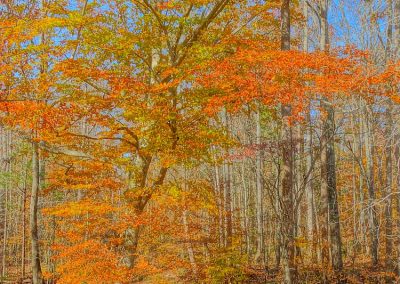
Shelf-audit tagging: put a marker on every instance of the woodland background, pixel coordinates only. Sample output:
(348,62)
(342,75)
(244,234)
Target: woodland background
(199,141)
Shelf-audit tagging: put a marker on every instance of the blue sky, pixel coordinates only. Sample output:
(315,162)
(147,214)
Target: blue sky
(346,21)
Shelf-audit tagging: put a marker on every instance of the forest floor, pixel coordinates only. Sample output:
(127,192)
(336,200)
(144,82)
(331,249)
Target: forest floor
(258,275)
(350,275)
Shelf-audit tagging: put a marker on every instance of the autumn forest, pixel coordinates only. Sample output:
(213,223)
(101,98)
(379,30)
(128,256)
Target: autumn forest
(199,141)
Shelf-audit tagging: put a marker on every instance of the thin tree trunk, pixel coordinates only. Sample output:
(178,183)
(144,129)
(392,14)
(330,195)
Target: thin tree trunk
(324,209)
(23,249)
(228,203)
(189,245)
(309,144)
(361,176)
(259,256)
(36,267)
(354,181)
(6,201)
(396,55)
(278,232)
(396,29)
(245,208)
(228,192)
(219,198)
(388,191)
(323,213)
(397,159)
(373,221)
(5,226)
(310,192)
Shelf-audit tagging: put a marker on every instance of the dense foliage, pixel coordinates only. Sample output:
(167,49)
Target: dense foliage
(199,141)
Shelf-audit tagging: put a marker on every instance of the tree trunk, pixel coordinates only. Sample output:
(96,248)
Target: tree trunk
(5,160)
(287,214)
(388,187)
(324,226)
(308,139)
(324,207)
(369,155)
(396,29)
(228,203)
(388,148)
(329,155)
(397,159)
(228,192)
(259,256)
(36,267)
(246,221)
(310,191)
(189,245)
(23,249)
(5,237)
(396,55)
(334,220)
